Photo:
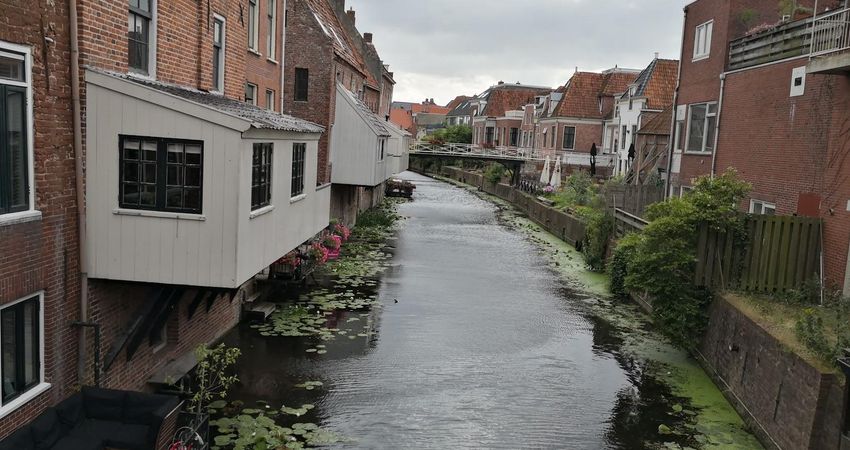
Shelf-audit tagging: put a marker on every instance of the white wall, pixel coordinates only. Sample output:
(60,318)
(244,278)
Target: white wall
(354,148)
(222,246)
(628,118)
(270,232)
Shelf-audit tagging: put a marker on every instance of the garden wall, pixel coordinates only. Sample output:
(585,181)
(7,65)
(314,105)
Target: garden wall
(559,223)
(787,402)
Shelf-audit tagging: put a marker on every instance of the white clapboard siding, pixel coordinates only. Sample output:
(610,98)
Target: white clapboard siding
(354,147)
(221,247)
(266,237)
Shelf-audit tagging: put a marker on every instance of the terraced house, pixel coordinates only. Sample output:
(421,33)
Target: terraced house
(498,114)
(334,77)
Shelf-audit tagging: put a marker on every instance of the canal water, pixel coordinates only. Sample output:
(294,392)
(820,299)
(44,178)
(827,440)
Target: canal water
(475,336)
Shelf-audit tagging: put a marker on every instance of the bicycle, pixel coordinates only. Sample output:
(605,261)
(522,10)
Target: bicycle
(188,438)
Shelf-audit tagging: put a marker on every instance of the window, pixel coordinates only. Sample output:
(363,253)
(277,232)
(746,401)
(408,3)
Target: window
(271,17)
(218,53)
(15,182)
(139,35)
(701,123)
(302,84)
(251,93)
(569,138)
(299,152)
(261,175)
(161,174)
(702,40)
(554,131)
(270,99)
(634,133)
(253,29)
(761,207)
(489,133)
(20,341)
(382,143)
(623,133)
(514,137)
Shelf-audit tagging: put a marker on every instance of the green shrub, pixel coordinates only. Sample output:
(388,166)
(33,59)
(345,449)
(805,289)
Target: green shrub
(494,173)
(618,266)
(662,262)
(599,225)
(381,216)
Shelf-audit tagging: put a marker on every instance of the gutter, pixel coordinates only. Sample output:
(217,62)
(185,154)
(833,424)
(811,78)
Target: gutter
(671,145)
(79,187)
(717,125)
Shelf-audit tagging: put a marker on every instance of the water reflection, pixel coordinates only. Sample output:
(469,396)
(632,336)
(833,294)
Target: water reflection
(476,344)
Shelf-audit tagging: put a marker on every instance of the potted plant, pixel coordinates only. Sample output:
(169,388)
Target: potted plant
(318,253)
(212,378)
(332,243)
(342,231)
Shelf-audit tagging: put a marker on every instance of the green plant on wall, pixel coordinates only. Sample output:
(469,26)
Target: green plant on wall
(494,173)
(212,375)
(660,260)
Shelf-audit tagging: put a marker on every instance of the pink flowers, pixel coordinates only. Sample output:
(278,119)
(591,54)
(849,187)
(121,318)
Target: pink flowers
(342,231)
(318,252)
(332,242)
(291,259)
(548,189)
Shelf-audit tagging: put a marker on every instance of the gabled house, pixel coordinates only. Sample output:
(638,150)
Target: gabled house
(325,52)
(498,114)
(571,124)
(642,100)
(461,113)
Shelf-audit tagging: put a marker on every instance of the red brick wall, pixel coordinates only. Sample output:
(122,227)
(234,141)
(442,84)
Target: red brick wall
(114,304)
(259,69)
(43,254)
(786,146)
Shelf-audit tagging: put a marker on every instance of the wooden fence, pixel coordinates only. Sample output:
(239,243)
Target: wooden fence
(633,199)
(779,254)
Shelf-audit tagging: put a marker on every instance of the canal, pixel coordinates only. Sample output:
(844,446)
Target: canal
(472,328)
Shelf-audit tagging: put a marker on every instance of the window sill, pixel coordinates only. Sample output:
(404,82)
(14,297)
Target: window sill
(323,186)
(251,50)
(297,198)
(699,58)
(272,61)
(158,214)
(19,217)
(27,396)
(697,153)
(141,75)
(261,211)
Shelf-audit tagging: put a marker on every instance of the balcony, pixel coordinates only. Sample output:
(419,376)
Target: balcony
(825,39)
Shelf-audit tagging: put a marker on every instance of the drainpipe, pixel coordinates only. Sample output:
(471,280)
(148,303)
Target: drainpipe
(79,185)
(673,138)
(717,124)
(282,56)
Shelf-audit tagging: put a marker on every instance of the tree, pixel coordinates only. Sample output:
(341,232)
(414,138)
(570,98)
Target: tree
(457,134)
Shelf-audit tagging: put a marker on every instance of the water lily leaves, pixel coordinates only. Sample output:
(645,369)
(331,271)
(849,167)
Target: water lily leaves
(309,385)
(321,352)
(677,408)
(664,429)
(311,350)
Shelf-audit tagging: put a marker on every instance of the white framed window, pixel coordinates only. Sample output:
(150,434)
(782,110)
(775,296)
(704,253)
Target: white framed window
(702,40)
(702,120)
(762,207)
(271,18)
(219,42)
(253,28)
(141,37)
(21,351)
(251,93)
(17,197)
(270,99)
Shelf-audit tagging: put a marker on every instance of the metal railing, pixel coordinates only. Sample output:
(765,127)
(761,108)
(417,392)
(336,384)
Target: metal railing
(475,150)
(831,33)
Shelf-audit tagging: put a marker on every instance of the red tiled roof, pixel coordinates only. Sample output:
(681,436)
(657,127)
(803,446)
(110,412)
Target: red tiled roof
(401,117)
(343,46)
(582,93)
(660,124)
(457,101)
(658,90)
(508,97)
(430,109)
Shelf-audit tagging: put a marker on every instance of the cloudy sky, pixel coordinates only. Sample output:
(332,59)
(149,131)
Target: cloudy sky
(444,48)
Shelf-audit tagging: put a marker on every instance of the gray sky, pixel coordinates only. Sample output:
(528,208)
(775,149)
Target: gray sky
(445,48)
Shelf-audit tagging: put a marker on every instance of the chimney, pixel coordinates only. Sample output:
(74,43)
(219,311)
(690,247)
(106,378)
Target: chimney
(351,15)
(368,38)
(501,82)
(656,55)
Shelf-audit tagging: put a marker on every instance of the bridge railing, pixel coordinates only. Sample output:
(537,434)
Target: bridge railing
(453,149)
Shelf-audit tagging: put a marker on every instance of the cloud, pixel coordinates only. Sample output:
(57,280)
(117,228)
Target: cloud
(444,48)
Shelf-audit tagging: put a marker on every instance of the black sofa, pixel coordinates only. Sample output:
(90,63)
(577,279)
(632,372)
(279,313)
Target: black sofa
(95,419)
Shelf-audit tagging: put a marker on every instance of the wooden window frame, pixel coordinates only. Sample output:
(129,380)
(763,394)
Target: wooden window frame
(161,181)
(20,359)
(572,145)
(301,80)
(219,54)
(299,163)
(262,164)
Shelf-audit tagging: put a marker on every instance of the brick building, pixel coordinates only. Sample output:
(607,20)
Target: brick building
(574,120)
(39,240)
(325,53)
(497,113)
(778,119)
